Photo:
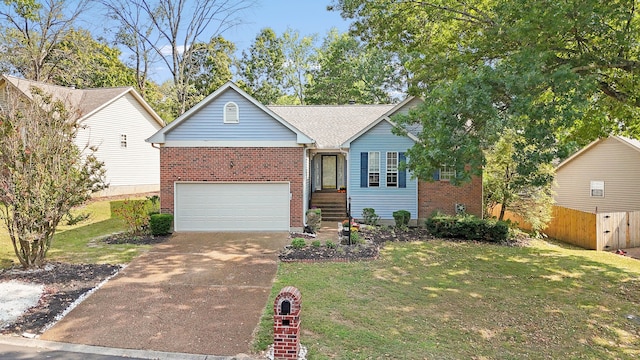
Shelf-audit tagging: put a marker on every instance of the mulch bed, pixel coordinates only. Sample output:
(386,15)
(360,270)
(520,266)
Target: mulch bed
(373,238)
(64,284)
(124,238)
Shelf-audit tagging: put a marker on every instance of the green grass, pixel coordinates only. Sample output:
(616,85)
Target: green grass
(78,243)
(450,300)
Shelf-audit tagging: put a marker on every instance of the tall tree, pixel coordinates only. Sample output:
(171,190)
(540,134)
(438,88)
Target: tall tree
(261,69)
(503,186)
(44,174)
(84,62)
(298,53)
(346,70)
(30,32)
(141,55)
(177,25)
(546,69)
(211,67)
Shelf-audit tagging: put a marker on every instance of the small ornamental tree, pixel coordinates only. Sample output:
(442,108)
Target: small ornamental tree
(43,173)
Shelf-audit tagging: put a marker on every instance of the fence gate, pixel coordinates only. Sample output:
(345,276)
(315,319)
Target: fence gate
(618,230)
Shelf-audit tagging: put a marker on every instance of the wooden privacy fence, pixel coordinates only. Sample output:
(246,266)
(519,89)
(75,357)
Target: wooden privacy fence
(602,231)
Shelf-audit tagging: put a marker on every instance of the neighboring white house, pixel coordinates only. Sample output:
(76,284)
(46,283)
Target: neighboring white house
(118,121)
(601,177)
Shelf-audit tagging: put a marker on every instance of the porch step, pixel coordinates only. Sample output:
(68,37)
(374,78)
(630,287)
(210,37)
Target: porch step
(333,205)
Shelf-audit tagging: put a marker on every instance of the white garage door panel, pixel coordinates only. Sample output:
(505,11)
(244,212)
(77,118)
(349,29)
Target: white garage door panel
(232,206)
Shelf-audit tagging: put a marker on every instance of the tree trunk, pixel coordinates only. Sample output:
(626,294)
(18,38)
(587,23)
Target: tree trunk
(502,210)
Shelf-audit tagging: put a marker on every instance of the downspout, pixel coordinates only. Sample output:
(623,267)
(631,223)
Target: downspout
(346,185)
(305,193)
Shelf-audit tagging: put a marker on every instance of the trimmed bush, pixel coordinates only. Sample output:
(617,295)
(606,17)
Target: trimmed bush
(402,218)
(298,243)
(467,227)
(160,224)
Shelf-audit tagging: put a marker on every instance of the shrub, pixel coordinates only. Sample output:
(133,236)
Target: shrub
(314,219)
(316,243)
(402,218)
(330,244)
(370,217)
(160,224)
(135,215)
(467,227)
(154,204)
(298,243)
(356,239)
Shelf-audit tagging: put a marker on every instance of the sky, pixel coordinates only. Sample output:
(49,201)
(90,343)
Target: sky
(307,16)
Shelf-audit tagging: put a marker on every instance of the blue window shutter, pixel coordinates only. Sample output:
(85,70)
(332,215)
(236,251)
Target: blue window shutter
(402,174)
(436,175)
(364,169)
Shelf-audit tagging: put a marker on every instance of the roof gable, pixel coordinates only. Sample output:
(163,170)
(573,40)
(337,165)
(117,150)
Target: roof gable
(402,107)
(331,125)
(632,143)
(161,136)
(87,101)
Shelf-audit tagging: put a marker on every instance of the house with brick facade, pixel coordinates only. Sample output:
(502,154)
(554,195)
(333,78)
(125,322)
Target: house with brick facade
(231,163)
(116,120)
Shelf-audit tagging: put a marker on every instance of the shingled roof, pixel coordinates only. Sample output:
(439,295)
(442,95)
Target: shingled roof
(85,100)
(330,125)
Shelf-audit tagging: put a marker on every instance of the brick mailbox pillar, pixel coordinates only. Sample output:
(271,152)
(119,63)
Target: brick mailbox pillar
(286,324)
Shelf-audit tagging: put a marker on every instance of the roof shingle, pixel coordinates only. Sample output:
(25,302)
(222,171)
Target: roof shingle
(330,125)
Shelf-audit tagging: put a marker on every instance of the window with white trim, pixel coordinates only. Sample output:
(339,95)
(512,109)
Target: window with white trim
(231,113)
(392,169)
(123,141)
(597,188)
(374,168)
(447,173)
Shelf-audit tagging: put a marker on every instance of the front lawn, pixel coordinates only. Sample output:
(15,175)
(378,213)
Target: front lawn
(455,300)
(77,244)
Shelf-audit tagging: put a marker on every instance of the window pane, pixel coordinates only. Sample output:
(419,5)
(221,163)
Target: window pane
(374,179)
(392,161)
(447,173)
(392,179)
(597,188)
(374,161)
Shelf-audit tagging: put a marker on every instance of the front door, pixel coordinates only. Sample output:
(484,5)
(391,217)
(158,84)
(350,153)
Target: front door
(329,171)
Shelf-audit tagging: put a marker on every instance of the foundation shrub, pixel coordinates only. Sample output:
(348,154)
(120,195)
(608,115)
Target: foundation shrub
(467,227)
(160,224)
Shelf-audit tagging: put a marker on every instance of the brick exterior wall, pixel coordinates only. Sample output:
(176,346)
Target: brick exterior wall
(442,196)
(286,327)
(249,164)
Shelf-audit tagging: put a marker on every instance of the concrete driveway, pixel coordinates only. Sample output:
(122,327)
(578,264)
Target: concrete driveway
(198,293)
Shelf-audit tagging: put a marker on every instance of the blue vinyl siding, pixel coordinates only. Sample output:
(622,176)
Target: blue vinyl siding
(385,200)
(208,124)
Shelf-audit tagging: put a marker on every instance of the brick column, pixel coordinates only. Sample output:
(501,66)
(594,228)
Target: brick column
(286,324)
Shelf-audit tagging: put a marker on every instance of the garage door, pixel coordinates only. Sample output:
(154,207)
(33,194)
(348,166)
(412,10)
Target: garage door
(232,207)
